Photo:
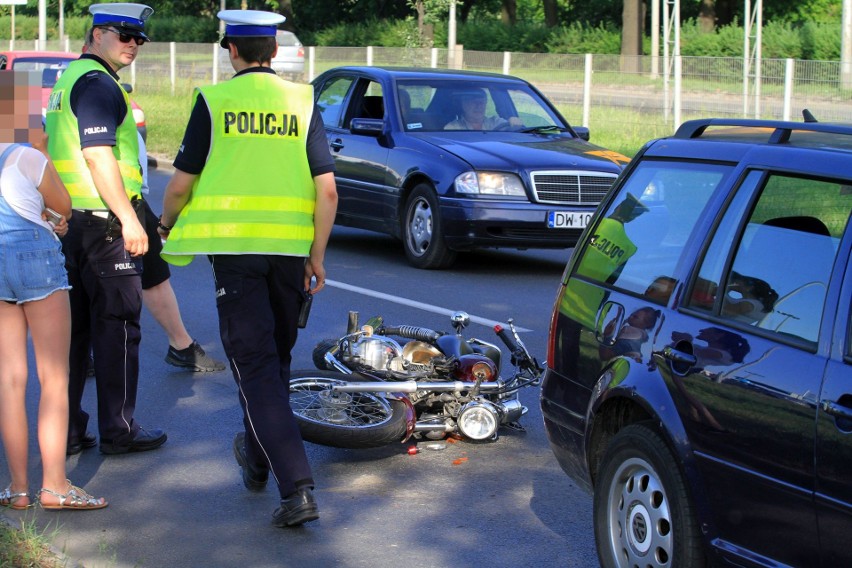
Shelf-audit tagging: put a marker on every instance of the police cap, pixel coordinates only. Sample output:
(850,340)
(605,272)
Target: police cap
(249,23)
(127,18)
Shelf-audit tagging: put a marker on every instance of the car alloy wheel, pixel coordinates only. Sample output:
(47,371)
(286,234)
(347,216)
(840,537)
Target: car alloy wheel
(642,513)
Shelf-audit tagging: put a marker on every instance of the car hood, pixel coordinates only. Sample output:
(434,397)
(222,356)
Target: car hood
(517,151)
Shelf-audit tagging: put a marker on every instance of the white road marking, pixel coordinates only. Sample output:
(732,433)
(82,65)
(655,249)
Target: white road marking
(415,304)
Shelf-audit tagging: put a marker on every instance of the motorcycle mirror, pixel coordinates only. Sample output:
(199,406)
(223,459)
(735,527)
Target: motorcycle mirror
(460,320)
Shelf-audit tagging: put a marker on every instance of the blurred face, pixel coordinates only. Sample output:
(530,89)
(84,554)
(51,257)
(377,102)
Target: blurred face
(20,107)
(474,108)
(108,45)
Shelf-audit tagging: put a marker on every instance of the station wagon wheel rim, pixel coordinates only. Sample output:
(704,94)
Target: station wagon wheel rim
(420,226)
(640,523)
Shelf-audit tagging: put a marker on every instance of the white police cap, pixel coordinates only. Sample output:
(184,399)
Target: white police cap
(250,23)
(127,18)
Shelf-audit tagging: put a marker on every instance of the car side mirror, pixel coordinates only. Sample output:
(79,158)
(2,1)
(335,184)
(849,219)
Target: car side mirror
(367,126)
(582,132)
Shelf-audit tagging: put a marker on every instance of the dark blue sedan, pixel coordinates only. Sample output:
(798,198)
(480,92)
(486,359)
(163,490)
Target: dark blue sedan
(451,161)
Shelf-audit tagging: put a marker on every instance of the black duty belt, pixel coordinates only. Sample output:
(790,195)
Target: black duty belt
(93,213)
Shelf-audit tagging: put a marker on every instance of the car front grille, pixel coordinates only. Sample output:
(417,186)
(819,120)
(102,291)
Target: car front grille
(571,187)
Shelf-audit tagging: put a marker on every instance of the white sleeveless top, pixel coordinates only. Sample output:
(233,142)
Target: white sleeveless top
(22,174)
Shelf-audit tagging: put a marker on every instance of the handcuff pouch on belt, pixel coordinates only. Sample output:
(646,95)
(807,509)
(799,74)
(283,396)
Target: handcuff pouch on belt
(113,226)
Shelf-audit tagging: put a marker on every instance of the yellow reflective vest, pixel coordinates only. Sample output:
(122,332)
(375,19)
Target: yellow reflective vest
(64,141)
(255,194)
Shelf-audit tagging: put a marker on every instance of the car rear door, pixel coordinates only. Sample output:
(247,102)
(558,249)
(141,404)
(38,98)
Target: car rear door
(834,439)
(746,359)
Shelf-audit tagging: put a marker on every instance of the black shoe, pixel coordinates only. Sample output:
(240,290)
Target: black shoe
(193,357)
(145,440)
(297,509)
(87,441)
(254,478)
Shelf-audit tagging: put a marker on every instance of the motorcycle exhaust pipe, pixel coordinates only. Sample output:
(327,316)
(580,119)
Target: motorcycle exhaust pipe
(413,386)
(433,427)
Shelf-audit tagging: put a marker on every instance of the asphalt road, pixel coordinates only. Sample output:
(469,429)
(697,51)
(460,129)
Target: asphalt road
(497,504)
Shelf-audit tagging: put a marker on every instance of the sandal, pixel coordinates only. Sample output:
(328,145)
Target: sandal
(75,498)
(10,500)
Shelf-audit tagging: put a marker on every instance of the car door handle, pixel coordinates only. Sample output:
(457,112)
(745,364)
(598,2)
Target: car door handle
(679,357)
(837,410)
(337,144)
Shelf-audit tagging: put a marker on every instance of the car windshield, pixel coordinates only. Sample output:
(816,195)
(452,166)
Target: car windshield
(446,105)
(287,40)
(39,63)
(51,68)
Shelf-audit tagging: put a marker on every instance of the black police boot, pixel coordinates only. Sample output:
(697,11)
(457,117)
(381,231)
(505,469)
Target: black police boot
(296,509)
(254,478)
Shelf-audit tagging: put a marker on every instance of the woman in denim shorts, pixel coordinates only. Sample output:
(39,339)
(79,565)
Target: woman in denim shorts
(34,296)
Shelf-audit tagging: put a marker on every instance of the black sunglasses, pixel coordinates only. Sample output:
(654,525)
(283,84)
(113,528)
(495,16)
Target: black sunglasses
(126,38)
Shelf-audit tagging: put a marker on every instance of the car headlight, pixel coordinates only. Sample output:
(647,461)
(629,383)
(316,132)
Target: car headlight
(490,184)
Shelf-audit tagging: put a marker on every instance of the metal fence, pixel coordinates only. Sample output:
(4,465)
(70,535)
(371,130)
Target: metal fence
(591,90)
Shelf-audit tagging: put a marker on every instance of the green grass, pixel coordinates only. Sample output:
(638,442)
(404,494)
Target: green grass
(26,547)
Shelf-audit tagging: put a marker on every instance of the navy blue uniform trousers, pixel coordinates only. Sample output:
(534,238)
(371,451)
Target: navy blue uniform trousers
(258,298)
(106,302)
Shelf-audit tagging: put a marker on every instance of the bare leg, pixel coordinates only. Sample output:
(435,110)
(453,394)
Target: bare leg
(13,388)
(50,327)
(162,303)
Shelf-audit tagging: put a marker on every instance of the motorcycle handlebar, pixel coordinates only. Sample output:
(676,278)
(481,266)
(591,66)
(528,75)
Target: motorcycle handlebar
(509,340)
(411,332)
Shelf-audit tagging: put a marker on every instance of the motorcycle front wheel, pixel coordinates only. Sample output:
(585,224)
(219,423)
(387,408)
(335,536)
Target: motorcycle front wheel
(352,420)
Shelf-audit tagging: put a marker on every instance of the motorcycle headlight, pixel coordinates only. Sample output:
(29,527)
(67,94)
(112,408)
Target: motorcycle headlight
(478,420)
(490,184)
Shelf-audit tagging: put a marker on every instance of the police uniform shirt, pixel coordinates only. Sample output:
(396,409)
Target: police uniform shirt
(99,105)
(196,141)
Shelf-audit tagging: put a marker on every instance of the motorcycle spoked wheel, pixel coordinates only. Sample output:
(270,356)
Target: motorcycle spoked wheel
(355,421)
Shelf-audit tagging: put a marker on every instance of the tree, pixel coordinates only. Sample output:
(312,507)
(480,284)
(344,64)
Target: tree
(551,18)
(632,21)
(509,12)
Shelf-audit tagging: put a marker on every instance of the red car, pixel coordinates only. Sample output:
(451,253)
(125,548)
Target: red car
(51,64)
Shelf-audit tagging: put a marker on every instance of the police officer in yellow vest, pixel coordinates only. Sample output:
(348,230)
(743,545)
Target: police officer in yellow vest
(93,142)
(254,191)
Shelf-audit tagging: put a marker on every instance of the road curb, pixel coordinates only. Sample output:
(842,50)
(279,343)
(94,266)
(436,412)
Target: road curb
(160,163)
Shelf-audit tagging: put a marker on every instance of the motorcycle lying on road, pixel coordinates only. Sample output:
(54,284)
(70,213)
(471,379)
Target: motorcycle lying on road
(373,389)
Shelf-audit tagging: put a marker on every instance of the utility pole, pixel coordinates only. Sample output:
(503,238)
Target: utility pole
(451,36)
(846,46)
(42,24)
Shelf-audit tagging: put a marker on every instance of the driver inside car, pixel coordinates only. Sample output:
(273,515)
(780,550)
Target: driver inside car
(472,116)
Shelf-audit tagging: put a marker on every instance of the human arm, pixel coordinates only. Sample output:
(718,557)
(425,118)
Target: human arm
(51,187)
(101,106)
(107,178)
(324,213)
(177,193)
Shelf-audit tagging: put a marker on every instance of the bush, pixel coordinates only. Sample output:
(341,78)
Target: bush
(577,38)
(819,42)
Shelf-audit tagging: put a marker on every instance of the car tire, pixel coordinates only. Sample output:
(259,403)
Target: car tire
(423,237)
(642,512)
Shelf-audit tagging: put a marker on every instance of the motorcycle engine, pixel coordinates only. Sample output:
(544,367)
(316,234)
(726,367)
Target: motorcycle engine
(376,352)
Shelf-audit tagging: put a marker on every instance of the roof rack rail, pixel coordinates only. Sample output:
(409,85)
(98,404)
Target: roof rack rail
(783,129)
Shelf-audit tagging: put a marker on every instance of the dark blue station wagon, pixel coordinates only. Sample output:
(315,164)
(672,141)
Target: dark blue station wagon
(699,377)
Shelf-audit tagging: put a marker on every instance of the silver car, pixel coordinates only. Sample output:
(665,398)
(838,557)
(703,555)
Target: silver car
(291,54)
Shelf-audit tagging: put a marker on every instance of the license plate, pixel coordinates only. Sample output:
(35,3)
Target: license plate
(568,219)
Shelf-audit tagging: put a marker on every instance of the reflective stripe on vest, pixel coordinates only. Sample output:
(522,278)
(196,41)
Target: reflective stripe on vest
(255,194)
(64,141)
